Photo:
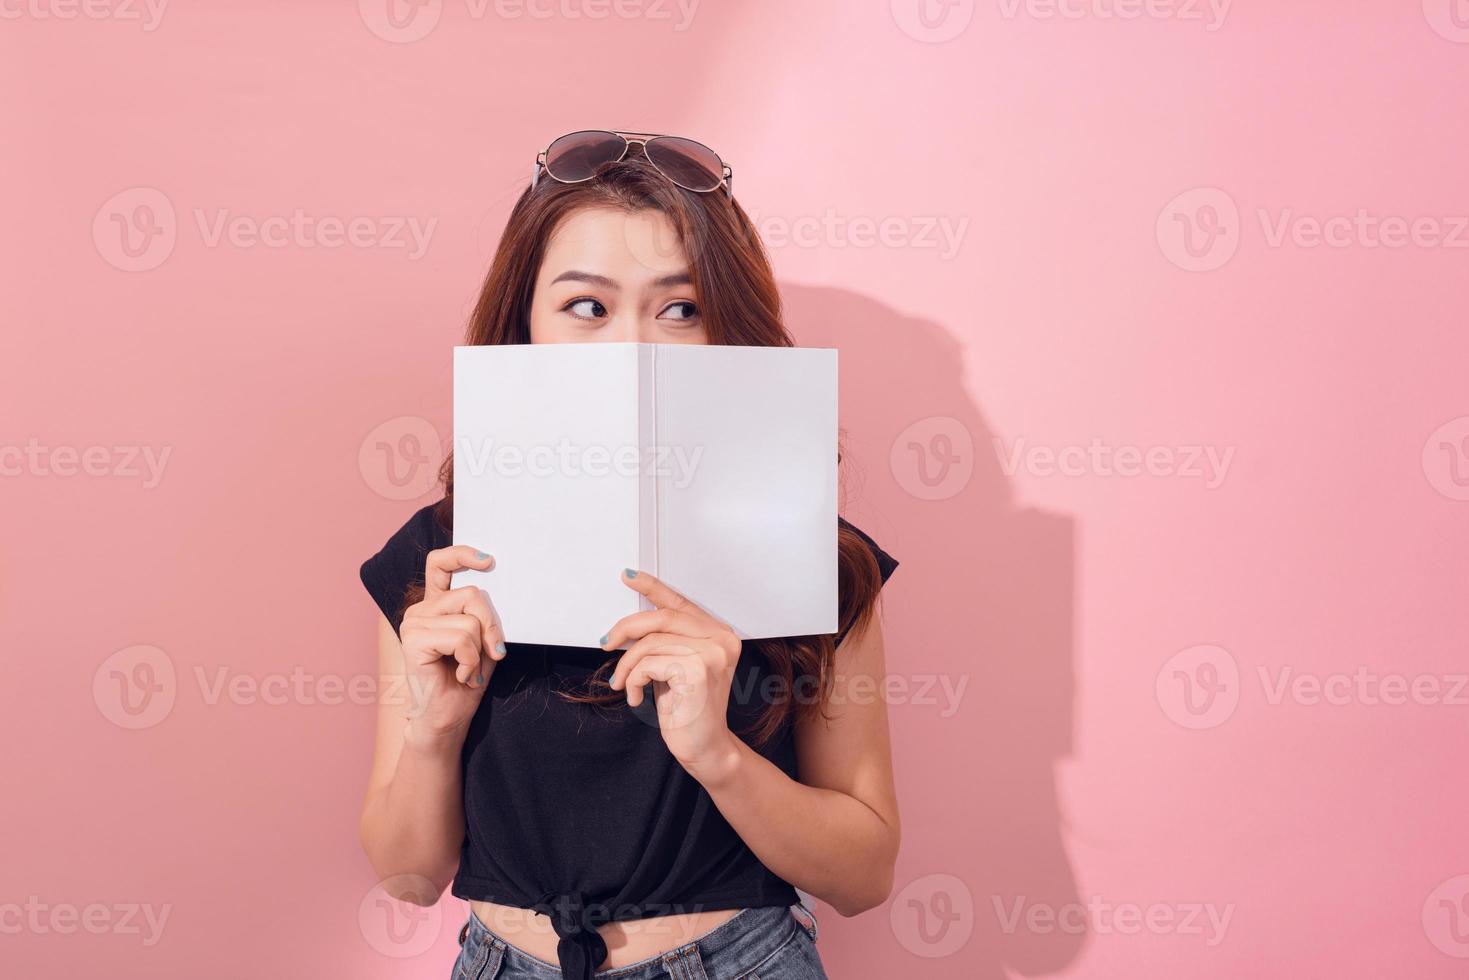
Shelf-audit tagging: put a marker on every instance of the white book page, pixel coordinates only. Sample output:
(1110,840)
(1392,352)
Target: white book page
(747,495)
(546,479)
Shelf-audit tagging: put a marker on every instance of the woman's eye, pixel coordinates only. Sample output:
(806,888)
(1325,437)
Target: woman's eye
(682,310)
(587,309)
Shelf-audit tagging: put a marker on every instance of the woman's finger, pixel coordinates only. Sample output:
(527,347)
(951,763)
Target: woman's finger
(657,593)
(462,622)
(640,624)
(474,601)
(654,644)
(682,674)
(442,563)
(432,643)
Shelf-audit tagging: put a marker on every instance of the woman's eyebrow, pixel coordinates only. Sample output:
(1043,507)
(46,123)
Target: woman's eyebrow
(662,282)
(574,275)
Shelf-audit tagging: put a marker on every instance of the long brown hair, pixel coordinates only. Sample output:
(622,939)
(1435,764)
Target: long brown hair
(739,303)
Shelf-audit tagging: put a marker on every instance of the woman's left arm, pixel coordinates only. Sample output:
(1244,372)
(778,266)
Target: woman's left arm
(833,834)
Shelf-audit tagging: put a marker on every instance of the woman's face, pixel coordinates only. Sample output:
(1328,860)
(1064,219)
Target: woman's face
(613,275)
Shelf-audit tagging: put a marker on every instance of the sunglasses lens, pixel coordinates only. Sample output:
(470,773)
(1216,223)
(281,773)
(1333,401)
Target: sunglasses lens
(577,156)
(692,166)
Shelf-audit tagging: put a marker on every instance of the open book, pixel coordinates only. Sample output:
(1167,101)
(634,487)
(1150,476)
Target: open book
(712,468)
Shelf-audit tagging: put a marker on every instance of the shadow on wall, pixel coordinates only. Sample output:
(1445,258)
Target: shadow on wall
(984,598)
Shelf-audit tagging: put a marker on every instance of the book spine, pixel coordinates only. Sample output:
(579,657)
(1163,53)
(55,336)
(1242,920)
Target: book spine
(648,510)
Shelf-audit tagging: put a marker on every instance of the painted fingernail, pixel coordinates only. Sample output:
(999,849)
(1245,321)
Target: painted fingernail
(500,648)
(481,555)
(630,572)
(482,679)
(603,641)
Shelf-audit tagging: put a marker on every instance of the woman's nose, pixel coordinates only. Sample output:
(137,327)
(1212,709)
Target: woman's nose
(632,330)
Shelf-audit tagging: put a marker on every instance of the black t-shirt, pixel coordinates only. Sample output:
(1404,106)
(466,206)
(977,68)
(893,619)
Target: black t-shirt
(579,811)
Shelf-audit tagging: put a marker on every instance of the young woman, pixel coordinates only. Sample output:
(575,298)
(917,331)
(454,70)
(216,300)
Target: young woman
(649,813)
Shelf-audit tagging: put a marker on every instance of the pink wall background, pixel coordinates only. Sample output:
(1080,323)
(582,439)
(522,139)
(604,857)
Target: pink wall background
(1131,773)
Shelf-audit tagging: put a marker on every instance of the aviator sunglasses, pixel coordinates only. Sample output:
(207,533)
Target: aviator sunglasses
(576,157)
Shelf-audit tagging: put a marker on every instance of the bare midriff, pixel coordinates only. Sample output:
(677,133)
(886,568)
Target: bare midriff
(627,942)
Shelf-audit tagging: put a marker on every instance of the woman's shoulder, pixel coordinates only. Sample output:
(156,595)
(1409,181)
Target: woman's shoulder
(397,566)
(423,528)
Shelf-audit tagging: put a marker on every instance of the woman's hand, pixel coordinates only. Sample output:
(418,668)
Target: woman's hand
(689,657)
(451,642)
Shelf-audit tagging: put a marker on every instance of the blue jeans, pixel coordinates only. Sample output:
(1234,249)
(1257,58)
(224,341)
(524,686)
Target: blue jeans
(756,944)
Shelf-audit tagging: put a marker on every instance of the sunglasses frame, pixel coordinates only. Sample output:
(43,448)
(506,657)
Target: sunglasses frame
(630,139)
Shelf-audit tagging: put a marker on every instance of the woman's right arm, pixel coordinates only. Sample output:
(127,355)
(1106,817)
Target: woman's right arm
(431,682)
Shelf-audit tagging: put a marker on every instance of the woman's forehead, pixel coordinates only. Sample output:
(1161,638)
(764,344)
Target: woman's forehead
(624,245)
